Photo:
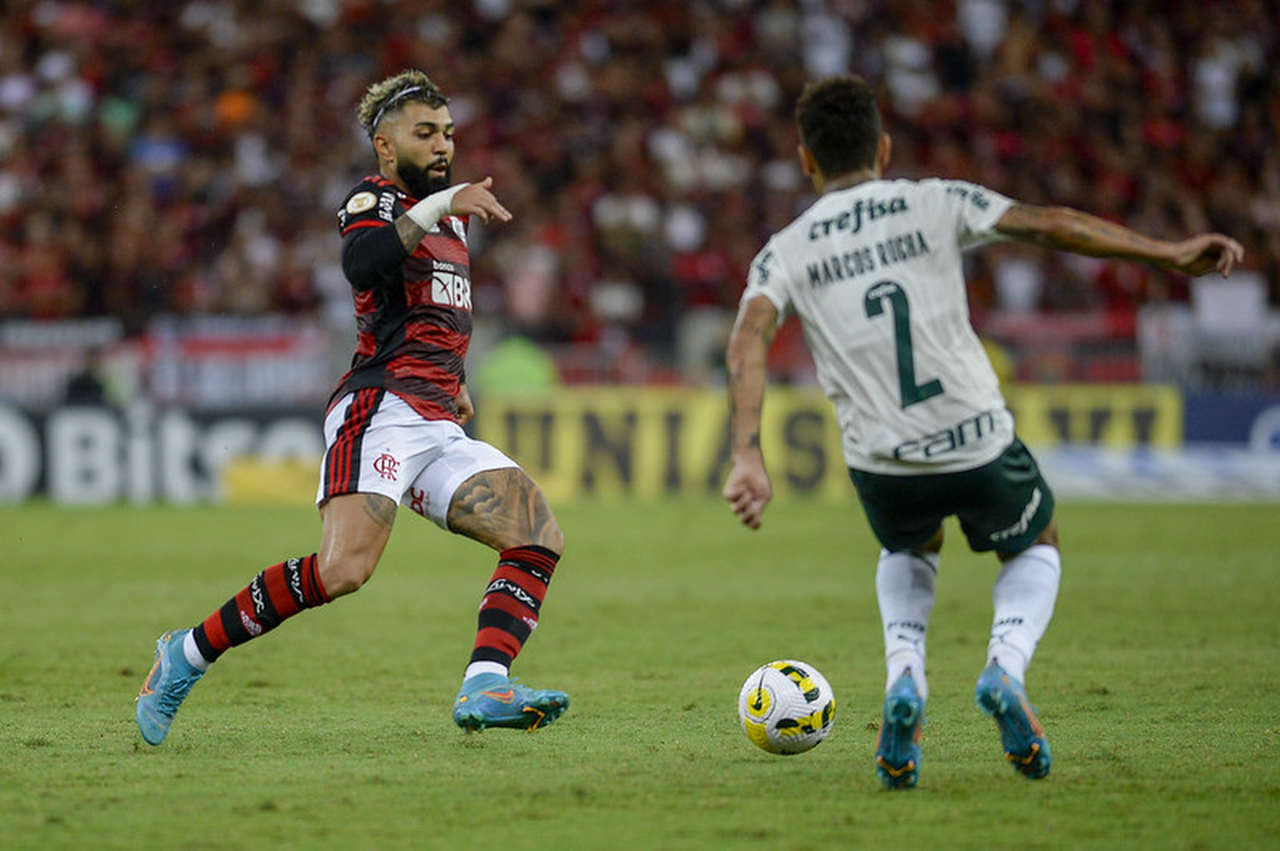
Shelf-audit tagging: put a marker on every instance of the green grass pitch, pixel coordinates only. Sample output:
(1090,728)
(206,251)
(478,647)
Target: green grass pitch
(1159,683)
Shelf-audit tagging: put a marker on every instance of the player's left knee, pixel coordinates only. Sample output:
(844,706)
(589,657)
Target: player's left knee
(346,573)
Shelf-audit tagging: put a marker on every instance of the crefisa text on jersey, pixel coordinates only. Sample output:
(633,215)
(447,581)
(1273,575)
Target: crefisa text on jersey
(851,219)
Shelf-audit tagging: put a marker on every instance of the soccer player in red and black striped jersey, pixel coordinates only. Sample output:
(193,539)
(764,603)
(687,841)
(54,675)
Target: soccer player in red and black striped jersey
(393,430)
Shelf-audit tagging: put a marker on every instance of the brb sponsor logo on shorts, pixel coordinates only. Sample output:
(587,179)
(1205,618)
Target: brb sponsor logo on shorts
(386,466)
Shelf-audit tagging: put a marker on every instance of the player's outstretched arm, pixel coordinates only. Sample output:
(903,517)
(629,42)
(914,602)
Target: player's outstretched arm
(1080,233)
(463,199)
(748,489)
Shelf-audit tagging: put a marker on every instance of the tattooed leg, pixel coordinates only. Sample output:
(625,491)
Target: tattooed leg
(356,529)
(502,509)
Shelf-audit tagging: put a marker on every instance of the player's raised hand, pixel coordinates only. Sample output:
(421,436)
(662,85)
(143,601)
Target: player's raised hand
(478,200)
(748,491)
(1202,254)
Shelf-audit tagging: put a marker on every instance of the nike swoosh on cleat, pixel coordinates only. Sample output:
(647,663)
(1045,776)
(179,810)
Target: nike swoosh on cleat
(507,696)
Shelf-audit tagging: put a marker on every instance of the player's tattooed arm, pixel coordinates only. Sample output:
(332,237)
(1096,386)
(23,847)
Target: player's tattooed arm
(1065,229)
(410,233)
(749,343)
(504,508)
(465,199)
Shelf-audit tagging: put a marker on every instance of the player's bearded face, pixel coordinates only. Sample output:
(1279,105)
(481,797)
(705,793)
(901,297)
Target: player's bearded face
(421,145)
(420,179)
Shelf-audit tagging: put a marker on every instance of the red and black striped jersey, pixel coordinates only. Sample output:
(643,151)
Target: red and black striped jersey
(413,311)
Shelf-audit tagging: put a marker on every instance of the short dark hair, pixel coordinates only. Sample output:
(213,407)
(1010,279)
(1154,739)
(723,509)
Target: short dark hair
(839,124)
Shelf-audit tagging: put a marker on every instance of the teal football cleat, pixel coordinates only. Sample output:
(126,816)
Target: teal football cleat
(898,745)
(164,689)
(1004,699)
(492,700)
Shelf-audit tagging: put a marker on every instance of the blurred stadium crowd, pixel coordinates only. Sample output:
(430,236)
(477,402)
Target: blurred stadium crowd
(189,157)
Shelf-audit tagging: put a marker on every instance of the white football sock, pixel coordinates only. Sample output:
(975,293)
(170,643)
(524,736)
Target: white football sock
(192,651)
(1023,597)
(904,588)
(484,668)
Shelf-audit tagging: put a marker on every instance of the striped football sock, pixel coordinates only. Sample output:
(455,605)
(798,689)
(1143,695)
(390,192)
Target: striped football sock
(509,609)
(277,593)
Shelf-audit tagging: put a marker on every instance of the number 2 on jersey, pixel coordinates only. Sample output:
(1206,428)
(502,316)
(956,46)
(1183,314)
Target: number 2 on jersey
(874,300)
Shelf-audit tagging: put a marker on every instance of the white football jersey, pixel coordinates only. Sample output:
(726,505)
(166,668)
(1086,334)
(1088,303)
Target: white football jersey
(874,272)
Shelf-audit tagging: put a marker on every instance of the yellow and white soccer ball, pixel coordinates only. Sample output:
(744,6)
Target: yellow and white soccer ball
(786,707)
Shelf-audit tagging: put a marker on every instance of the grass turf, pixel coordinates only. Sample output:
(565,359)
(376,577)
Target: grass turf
(1158,681)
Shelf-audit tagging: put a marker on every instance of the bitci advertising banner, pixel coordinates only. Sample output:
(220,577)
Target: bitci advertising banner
(581,442)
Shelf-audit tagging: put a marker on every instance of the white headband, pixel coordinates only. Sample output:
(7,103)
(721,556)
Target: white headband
(377,116)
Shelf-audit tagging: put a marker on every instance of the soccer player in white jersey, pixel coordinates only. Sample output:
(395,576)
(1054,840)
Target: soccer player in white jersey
(873,270)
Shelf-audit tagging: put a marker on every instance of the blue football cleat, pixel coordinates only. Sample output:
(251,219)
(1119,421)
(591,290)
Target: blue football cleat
(492,700)
(164,689)
(898,745)
(1004,698)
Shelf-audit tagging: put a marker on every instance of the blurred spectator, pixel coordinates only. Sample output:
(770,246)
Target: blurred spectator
(88,386)
(188,157)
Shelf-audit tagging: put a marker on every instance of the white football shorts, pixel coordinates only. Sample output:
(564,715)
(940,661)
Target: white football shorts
(376,443)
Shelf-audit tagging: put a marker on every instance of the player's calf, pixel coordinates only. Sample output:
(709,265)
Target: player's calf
(510,608)
(277,593)
(504,509)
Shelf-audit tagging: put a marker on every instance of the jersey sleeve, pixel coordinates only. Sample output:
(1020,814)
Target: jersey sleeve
(974,210)
(768,277)
(370,253)
(370,249)
(367,206)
